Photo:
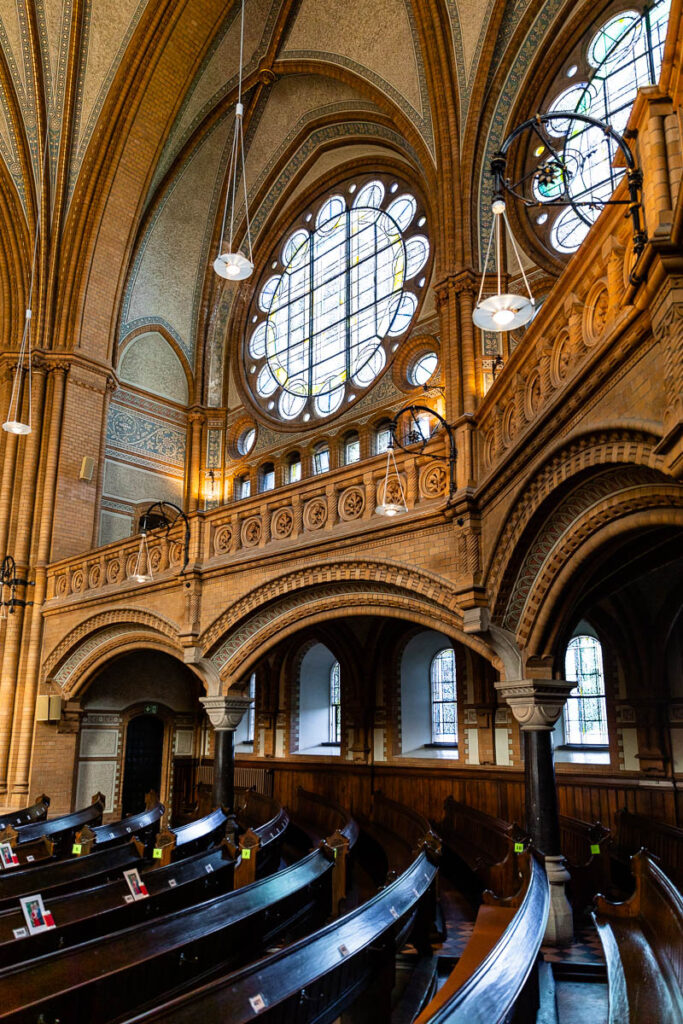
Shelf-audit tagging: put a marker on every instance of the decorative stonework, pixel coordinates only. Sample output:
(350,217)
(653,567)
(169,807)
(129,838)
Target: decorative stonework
(114,571)
(596,315)
(282,523)
(433,481)
(351,503)
(393,491)
(222,540)
(225,712)
(509,424)
(532,395)
(315,514)
(251,531)
(536,703)
(560,360)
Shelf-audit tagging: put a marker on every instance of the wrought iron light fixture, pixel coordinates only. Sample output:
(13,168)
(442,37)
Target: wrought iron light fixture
(9,579)
(406,430)
(231,264)
(503,311)
(157,517)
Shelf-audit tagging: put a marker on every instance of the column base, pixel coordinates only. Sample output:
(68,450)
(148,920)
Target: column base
(560,928)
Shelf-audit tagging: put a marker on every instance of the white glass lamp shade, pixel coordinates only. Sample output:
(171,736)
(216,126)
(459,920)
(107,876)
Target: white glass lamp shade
(233,266)
(390,509)
(503,312)
(16,427)
(142,573)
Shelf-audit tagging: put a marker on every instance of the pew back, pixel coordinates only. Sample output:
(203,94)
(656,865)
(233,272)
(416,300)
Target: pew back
(634,831)
(28,815)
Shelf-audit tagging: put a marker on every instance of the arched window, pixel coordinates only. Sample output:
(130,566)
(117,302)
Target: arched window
(341,287)
(251,713)
(266,481)
(600,79)
(321,458)
(294,468)
(335,705)
(351,447)
(382,436)
(585,714)
(444,697)
(242,487)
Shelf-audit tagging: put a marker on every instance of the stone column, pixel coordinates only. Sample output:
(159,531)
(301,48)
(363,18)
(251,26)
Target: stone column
(225,714)
(537,704)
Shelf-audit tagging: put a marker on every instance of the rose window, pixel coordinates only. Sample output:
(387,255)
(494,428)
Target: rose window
(338,296)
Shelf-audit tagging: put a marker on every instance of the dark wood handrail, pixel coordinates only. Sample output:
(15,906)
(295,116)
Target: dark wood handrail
(201,828)
(127,827)
(491,992)
(66,823)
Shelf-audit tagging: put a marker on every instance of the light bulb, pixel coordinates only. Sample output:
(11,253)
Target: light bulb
(498,206)
(503,317)
(233,265)
(16,427)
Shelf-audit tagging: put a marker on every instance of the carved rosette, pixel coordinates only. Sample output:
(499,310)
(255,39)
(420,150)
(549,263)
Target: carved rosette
(95,577)
(175,553)
(114,571)
(393,491)
(535,703)
(131,562)
(351,504)
(61,586)
(509,423)
(282,523)
(315,514)
(222,540)
(251,531)
(155,559)
(77,581)
(532,395)
(225,712)
(490,448)
(596,315)
(433,481)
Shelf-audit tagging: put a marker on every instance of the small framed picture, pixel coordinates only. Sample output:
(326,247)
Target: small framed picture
(8,857)
(36,916)
(138,889)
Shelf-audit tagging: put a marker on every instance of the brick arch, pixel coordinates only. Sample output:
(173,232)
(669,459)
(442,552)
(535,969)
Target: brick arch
(615,515)
(392,574)
(571,459)
(246,644)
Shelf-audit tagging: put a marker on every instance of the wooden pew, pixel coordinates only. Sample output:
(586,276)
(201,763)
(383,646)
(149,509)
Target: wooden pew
(194,837)
(141,825)
(100,910)
(485,845)
(496,972)
(61,831)
(106,978)
(316,816)
(586,847)
(398,832)
(268,821)
(635,832)
(18,819)
(643,943)
(346,966)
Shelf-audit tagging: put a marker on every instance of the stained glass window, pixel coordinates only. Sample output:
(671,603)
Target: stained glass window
(344,285)
(623,55)
(267,477)
(242,487)
(335,705)
(585,714)
(382,437)
(251,713)
(246,441)
(444,697)
(423,368)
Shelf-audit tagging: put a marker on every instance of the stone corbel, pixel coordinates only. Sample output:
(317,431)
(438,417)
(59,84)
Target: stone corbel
(535,703)
(225,712)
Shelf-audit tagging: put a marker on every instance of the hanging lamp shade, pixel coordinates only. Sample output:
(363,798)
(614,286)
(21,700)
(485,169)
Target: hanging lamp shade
(503,312)
(142,573)
(233,266)
(392,488)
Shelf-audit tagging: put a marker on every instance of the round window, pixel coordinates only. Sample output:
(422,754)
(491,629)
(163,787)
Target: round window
(246,440)
(347,282)
(423,368)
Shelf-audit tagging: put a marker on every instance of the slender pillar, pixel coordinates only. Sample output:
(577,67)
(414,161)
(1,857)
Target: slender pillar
(225,714)
(537,704)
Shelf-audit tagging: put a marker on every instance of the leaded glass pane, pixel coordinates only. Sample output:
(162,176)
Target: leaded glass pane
(444,697)
(585,717)
(335,704)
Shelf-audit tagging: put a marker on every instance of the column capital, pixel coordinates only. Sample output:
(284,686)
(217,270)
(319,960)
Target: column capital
(535,703)
(225,712)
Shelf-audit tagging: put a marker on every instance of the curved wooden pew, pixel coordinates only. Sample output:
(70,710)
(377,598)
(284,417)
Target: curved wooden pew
(586,846)
(664,841)
(643,943)
(107,978)
(316,816)
(192,838)
(319,977)
(82,915)
(484,844)
(61,831)
(19,819)
(141,825)
(496,970)
(264,822)
(396,833)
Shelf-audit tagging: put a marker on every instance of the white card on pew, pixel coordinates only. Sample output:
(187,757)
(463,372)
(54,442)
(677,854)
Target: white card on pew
(36,916)
(20,933)
(257,1003)
(172,883)
(30,858)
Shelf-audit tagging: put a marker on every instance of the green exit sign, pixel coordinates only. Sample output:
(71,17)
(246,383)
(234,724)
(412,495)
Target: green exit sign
(151,709)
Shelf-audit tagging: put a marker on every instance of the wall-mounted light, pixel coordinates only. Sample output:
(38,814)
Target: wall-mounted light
(210,486)
(392,478)
(159,515)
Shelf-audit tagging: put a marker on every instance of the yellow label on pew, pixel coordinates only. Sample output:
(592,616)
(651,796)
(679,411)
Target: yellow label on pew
(76,849)
(519,847)
(157,853)
(246,853)
(595,848)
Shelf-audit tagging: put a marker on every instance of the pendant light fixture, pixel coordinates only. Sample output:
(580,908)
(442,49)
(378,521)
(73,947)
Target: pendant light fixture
(14,423)
(142,573)
(502,311)
(231,264)
(392,508)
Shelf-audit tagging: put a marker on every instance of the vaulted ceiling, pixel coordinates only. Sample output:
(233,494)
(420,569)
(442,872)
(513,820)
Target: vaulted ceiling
(136,100)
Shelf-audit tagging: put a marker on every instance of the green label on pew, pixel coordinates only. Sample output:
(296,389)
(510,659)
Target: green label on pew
(76,849)
(246,853)
(519,847)
(157,853)
(595,848)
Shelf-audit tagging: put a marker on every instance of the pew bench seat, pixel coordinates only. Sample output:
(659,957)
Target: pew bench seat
(489,926)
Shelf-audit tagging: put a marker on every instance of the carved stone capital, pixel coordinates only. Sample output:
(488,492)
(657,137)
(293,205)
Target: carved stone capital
(535,703)
(225,712)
